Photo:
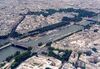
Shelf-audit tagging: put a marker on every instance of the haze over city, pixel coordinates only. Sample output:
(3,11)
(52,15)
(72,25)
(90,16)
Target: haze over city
(49,34)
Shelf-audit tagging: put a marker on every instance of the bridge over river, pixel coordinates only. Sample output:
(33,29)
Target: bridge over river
(8,49)
(68,30)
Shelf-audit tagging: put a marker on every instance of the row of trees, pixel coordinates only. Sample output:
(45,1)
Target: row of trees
(20,57)
(63,58)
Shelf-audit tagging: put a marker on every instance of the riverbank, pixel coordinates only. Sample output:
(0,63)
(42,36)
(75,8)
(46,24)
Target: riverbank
(7,45)
(8,51)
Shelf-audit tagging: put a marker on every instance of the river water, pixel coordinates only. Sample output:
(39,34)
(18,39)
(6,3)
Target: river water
(4,53)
